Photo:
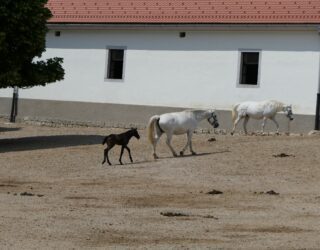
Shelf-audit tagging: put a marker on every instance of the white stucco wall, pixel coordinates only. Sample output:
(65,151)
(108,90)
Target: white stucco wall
(200,70)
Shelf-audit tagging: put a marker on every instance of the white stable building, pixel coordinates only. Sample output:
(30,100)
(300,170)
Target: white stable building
(127,60)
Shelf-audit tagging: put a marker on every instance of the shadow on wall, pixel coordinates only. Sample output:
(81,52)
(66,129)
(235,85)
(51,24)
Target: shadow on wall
(47,142)
(194,41)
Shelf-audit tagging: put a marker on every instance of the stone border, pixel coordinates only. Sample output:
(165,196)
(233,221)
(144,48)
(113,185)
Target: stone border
(69,123)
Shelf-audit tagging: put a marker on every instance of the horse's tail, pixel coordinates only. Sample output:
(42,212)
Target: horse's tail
(151,126)
(235,112)
(105,140)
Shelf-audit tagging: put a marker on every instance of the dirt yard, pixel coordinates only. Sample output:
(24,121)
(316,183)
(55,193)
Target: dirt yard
(55,194)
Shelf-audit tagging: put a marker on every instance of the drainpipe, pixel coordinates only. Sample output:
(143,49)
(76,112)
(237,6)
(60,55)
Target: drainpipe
(14,106)
(317,122)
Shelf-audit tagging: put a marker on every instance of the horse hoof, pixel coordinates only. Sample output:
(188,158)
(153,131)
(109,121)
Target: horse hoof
(181,153)
(155,156)
(193,153)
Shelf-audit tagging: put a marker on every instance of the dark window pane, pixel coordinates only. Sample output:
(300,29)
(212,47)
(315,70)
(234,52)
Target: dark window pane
(249,68)
(251,57)
(115,65)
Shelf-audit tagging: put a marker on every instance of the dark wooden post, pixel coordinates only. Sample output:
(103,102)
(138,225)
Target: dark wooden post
(14,106)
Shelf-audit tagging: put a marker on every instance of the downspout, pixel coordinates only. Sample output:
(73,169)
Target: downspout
(317,121)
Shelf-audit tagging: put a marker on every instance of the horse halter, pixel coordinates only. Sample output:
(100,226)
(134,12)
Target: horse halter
(289,112)
(213,120)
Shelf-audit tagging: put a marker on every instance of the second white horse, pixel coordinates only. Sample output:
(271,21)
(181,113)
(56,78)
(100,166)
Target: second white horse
(259,110)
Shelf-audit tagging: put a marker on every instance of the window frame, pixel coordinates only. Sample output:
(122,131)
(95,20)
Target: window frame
(107,64)
(239,84)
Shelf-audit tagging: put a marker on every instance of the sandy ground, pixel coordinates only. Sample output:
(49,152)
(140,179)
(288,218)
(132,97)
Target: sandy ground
(55,194)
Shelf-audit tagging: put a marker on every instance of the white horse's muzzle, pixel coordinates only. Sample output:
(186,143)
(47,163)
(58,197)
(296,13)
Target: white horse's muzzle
(290,117)
(213,121)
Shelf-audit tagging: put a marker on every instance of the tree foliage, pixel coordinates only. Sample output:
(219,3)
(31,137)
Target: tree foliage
(22,41)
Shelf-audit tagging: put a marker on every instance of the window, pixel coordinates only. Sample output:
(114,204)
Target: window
(115,64)
(249,68)
(182,34)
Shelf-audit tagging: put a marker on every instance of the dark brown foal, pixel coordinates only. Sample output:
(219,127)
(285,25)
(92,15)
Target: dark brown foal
(119,139)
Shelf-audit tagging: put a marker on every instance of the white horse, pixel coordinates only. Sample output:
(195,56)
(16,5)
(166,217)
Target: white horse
(259,110)
(178,123)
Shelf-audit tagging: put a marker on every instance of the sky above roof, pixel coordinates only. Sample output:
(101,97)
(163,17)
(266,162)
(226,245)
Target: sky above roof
(186,11)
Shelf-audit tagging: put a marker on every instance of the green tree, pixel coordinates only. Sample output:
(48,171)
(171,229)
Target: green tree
(22,41)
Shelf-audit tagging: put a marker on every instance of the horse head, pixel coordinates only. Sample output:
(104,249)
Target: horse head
(212,119)
(288,110)
(135,133)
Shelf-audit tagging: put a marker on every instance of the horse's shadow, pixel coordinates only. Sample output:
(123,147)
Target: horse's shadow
(196,155)
(47,142)
(170,157)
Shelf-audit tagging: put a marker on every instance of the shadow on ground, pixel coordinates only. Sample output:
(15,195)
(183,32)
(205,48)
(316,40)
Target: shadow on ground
(4,129)
(196,155)
(46,142)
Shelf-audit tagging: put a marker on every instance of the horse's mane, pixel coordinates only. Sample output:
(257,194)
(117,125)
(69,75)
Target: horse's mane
(279,105)
(196,112)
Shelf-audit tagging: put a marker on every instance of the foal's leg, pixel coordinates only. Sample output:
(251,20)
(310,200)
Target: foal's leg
(168,141)
(122,148)
(245,122)
(105,156)
(129,153)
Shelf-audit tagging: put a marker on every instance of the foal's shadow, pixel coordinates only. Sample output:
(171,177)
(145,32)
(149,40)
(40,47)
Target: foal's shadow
(126,164)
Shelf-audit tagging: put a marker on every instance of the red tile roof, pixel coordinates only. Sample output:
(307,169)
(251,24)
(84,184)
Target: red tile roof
(186,11)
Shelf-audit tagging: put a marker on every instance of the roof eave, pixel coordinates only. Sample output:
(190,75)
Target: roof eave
(186,26)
